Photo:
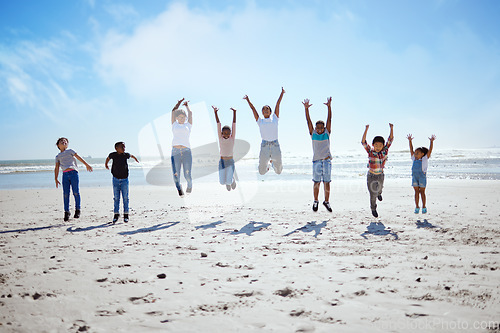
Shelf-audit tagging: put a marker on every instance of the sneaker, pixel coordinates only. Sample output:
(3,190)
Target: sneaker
(181,193)
(189,190)
(77,213)
(233,185)
(417,210)
(115,217)
(374,213)
(228,187)
(379,197)
(315,205)
(424,210)
(66,216)
(125,218)
(327,205)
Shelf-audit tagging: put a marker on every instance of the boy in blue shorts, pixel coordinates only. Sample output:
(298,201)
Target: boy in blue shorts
(420,158)
(322,165)
(119,170)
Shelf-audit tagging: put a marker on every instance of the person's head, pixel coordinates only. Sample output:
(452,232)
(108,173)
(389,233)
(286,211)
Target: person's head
(180,115)
(320,126)
(120,147)
(378,143)
(421,152)
(62,144)
(266,111)
(226,132)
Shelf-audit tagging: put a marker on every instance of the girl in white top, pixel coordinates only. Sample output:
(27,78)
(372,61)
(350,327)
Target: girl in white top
(226,144)
(270,152)
(181,149)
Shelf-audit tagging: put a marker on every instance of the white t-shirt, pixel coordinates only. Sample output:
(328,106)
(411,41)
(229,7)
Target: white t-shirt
(181,134)
(268,128)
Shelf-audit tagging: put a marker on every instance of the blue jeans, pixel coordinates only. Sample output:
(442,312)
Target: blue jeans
(70,179)
(226,171)
(120,186)
(270,150)
(182,157)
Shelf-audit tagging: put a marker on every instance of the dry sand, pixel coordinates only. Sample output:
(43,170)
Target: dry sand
(267,264)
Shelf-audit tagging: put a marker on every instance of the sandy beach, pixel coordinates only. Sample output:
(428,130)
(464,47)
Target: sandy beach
(254,260)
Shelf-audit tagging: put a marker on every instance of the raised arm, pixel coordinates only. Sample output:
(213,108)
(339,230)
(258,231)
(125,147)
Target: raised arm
(190,114)
(233,125)
(410,138)
(89,168)
(216,115)
(391,134)
(431,139)
(277,108)
(329,118)
(175,108)
(363,139)
(255,114)
(308,118)
(56,174)
(234,115)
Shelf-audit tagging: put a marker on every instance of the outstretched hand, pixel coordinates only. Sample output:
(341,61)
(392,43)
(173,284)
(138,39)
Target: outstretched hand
(282,90)
(306,103)
(233,109)
(328,101)
(391,125)
(246,98)
(185,103)
(409,137)
(432,138)
(215,109)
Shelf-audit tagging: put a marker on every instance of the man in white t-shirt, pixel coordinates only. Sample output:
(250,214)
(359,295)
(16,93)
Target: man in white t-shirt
(270,152)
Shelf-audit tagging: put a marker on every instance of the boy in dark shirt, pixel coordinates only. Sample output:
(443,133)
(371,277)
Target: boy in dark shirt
(119,169)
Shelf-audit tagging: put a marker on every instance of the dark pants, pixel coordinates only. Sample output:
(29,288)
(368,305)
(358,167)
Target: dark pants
(375,184)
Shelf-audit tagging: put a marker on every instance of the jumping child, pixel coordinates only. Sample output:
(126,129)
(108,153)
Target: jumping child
(181,151)
(322,165)
(226,136)
(420,158)
(119,170)
(377,156)
(66,161)
(270,151)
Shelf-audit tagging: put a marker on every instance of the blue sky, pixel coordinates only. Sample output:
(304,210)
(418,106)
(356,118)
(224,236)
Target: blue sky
(100,71)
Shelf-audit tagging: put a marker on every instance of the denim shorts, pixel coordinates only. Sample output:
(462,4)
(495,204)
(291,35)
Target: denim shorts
(322,171)
(418,179)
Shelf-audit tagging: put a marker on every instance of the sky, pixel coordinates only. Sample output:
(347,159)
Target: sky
(102,71)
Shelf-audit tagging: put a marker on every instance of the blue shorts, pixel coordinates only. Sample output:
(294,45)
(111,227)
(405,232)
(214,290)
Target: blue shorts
(418,179)
(322,171)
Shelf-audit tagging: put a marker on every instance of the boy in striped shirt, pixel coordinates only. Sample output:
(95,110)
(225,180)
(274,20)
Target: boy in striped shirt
(377,156)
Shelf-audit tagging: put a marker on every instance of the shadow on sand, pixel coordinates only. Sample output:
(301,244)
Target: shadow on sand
(378,228)
(157,227)
(32,229)
(310,226)
(250,228)
(425,224)
(209,226)
(92,227)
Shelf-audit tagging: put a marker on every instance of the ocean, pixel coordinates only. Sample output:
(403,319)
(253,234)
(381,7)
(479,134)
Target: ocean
(447,164)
